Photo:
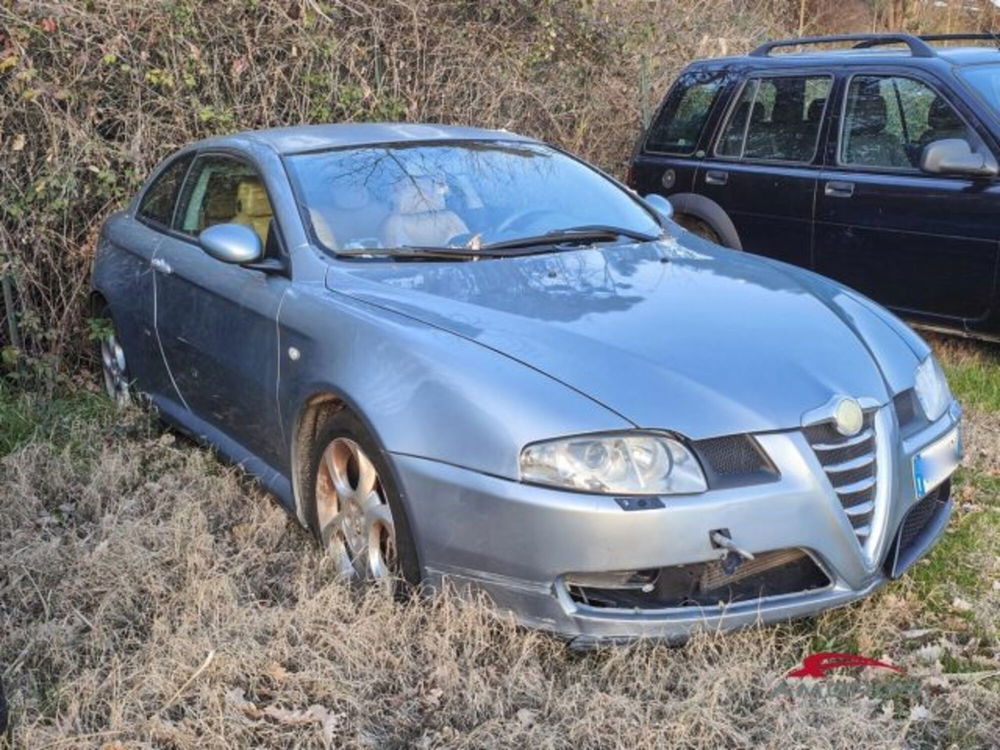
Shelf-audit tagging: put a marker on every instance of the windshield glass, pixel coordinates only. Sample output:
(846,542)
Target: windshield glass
(985,79)
(455,195)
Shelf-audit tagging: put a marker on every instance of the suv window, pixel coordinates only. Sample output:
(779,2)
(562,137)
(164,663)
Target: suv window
(776,119)
(157,205)
(889,119)
(682,117)
(224,190)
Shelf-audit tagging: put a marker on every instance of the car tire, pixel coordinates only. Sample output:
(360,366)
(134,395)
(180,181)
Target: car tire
(354,508)
(700,228)
(111,355)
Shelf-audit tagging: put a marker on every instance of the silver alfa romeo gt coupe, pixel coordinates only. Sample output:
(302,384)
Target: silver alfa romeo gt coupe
(463,355)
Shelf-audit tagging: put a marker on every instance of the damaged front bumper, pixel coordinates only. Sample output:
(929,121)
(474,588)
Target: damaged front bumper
(585,567)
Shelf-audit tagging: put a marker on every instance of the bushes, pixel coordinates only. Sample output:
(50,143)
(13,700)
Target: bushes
(94,94)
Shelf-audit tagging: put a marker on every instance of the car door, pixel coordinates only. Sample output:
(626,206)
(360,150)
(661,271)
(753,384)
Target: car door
(218,321)
(667,157)
(126,275)
(922,244)
(764,166)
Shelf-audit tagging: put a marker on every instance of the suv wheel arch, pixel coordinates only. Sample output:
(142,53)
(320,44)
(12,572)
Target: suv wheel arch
(711,213)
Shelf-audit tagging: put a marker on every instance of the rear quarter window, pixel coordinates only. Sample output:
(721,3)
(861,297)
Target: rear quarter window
(157,203)
(682,117)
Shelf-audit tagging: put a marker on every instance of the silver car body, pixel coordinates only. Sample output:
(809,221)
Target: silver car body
(455,367)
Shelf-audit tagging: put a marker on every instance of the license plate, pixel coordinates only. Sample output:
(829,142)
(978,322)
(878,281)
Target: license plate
(936,462)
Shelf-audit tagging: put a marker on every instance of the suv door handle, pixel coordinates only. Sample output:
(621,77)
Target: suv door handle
(716,177)
(162,266)
(837,189)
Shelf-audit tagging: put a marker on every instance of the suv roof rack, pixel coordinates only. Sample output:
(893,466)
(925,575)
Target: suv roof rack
(918,45)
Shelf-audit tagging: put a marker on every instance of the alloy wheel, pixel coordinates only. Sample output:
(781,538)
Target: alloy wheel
(355,520)
(115,372)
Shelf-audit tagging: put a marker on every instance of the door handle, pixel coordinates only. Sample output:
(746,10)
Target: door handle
(161,265)
(837,189)
(716,177)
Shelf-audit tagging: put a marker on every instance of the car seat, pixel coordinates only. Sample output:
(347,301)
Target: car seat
(868,142)
(419,215)
(253,209)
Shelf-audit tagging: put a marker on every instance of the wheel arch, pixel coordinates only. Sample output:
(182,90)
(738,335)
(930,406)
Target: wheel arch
(710,212)
(313,412)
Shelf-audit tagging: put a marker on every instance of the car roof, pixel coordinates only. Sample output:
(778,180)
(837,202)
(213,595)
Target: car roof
(967,55)
(301,138)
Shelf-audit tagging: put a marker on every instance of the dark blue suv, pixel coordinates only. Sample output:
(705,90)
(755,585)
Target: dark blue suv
(875,165)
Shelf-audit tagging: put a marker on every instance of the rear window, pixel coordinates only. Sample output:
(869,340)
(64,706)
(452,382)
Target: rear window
(682,116)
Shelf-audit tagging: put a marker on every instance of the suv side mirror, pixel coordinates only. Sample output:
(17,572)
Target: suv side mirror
(660,205)
(232,243)
(954,156)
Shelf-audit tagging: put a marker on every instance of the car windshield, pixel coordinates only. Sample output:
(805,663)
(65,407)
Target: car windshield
(469,195)
(985,79)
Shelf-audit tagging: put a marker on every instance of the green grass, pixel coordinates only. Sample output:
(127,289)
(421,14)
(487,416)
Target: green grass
(973,372)
(27,416)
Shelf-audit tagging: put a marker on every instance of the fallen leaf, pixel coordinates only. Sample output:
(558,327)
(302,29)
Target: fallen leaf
(236,698)
(960,605)
(526,717)
(19,141)
(277,672)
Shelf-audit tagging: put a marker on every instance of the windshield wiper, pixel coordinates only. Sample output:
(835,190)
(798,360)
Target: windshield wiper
(414,252)
(573,235)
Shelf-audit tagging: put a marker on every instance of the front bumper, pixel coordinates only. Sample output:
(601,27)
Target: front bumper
(517,542)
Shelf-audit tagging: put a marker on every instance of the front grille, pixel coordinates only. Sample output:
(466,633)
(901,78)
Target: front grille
(705,584)
(849,463)
(902,554)
(734,461)
(920,515)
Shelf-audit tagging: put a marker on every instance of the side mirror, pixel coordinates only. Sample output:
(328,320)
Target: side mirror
(232,243)
(660,205)
(954,156)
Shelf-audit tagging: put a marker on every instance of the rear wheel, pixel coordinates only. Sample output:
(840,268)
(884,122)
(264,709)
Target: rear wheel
(699,227)
(354,508)
(114,367)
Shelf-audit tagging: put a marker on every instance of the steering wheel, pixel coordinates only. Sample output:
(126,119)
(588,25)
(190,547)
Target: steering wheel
(522,218)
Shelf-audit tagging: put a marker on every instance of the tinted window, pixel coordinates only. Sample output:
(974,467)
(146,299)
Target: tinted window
(455,195)
(158,203)
(224,190)
(683,114)
(776,119)
(889,119)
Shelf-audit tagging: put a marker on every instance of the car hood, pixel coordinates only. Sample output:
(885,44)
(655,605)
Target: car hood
(686,337)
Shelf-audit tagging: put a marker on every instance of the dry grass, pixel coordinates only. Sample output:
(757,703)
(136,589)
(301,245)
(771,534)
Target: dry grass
(151,597)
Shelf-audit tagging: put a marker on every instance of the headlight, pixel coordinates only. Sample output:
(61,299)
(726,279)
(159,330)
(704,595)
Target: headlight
(932,388)
(626,464)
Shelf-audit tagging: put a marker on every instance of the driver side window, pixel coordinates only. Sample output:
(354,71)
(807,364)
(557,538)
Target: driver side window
(224,190)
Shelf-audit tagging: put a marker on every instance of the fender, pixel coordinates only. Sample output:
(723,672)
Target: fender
(709,212)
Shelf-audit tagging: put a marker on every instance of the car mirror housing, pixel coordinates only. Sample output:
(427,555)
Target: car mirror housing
(954,156)
(232,243)
(660,205)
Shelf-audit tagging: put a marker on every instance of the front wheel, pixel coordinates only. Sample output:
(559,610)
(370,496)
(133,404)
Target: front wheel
(114,368)
(354,508)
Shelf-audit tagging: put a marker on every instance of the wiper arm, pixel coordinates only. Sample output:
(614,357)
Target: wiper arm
(414,252)
(573,235)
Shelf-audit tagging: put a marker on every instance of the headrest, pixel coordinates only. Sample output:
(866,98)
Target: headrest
(417,195)
(251,199)
(759,113)
(869,114)
(350,197)
(815,111)
(941,116)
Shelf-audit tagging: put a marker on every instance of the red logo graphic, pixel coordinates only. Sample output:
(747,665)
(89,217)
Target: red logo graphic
(817,665)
